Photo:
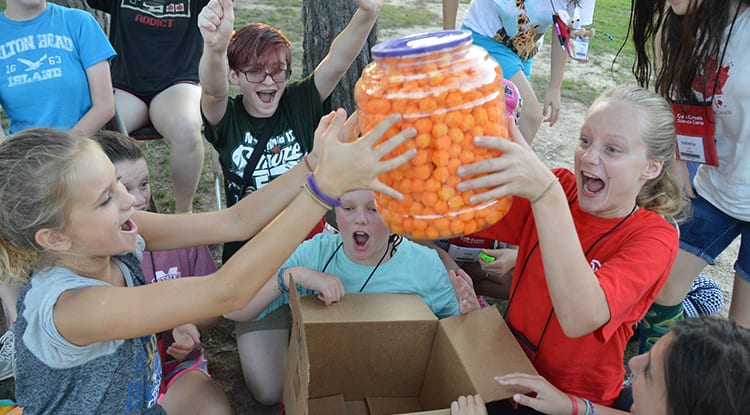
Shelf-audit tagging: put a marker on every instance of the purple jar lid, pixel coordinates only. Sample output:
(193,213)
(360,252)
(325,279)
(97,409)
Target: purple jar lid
(421,43)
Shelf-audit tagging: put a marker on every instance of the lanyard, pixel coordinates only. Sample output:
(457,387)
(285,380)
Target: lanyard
(530,348)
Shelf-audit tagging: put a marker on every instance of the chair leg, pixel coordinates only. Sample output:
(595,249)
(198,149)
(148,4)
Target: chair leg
(216,170)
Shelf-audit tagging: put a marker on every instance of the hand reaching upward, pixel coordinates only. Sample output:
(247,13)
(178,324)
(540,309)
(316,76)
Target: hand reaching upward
(216,23)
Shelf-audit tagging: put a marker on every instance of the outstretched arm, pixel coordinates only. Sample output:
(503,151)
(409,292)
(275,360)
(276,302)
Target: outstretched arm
(103,313)
(549,399)
(216,22)
(328,286)
(346,47)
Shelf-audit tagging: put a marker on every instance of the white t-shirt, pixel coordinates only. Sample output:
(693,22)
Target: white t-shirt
(727,186)
(486,17)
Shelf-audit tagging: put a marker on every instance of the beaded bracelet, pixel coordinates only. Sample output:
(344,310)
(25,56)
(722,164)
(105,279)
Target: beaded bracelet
(316,190)
(589,407)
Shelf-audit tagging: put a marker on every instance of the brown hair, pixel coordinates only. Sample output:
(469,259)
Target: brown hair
(707,367)
(37,168)
(255,45)
(118,147)
(687,43)
(661,194)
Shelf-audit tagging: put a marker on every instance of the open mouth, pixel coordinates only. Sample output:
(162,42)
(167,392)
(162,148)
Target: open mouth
(266,97)
(128,226)
(591,183)
(360,239)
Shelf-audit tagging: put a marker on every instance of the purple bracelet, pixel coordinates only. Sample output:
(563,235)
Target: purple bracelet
(324,197)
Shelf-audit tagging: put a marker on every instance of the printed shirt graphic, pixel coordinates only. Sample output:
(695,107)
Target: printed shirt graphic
(291,139)
(157,41)
(43,64)
(158,266)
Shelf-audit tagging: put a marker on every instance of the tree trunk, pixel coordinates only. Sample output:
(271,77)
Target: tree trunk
(101,17)
(323,21)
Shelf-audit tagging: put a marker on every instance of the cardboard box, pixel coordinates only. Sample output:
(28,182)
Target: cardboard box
(378,354)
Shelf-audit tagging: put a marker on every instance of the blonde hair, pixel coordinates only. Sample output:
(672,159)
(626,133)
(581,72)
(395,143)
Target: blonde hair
(661,194)
(37,168)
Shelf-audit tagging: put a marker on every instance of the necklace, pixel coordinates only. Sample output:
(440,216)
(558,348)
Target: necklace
(380,261)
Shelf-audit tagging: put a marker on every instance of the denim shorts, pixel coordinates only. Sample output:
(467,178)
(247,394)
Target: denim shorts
(709,232)
(508,60)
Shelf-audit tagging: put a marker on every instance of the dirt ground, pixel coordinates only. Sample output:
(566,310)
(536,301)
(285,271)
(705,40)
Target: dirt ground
(553,144)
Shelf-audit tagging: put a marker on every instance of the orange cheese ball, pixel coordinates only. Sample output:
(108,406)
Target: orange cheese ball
(449,95)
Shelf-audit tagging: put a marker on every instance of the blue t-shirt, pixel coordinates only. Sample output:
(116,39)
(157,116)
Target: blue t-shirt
(413,269)
(43,64)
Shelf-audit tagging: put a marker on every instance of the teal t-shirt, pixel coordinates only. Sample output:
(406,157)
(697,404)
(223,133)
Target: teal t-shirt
(413,269)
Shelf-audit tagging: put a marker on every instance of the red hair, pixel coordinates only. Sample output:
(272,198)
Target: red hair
(256,45)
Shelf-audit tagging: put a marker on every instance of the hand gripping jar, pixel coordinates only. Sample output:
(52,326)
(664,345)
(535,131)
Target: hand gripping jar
(450,91)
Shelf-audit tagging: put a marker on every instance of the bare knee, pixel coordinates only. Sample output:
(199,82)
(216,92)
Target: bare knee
(265,394)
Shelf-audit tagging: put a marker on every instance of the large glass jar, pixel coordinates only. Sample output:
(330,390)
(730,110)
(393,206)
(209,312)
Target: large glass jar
(450,91)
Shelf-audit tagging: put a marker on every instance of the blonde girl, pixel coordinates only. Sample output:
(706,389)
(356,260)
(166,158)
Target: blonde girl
(86,320)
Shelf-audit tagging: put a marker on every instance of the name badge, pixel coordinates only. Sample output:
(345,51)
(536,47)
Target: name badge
(696,140)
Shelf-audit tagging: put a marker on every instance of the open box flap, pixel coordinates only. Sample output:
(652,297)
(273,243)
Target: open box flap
(472,338)
(371,307)
(297,376)
(367,345)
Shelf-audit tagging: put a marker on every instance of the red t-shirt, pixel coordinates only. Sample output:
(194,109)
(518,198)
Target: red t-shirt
(632,263)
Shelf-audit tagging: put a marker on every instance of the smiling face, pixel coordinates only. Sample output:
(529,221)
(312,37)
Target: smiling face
(649,382)
(363,231)
(98,223)
(261,99)
(610,160)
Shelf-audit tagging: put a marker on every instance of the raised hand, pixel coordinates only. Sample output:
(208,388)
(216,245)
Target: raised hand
(346,166)
(517,171)
(370,6)
(216,23)
(186,338)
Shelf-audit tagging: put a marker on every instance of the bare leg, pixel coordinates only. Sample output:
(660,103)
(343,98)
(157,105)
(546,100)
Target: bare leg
(739,311)
(194,393)
(531,111)
(132,111)
(684,271)
(263,359)
(175,113)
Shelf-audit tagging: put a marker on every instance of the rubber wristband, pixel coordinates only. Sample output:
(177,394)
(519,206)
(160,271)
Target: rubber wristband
(574,401)
(545,191)
(307,164)
(282,287)
(317,199)
(316,190)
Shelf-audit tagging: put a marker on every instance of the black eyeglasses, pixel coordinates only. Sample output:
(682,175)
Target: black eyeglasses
(257,77)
